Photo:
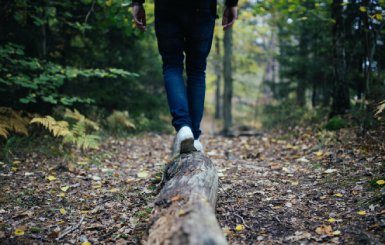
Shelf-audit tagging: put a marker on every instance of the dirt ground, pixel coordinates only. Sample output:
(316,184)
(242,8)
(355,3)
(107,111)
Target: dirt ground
(295,186)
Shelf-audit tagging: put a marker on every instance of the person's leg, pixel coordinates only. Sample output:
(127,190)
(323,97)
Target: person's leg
(197,47)
(171,45)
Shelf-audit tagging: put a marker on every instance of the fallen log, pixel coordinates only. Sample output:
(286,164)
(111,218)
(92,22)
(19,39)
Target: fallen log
(184,211)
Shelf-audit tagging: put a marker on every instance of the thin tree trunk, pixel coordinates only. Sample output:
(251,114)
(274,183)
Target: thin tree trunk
(302,73)
(218,78)
(228,86)
(341,97)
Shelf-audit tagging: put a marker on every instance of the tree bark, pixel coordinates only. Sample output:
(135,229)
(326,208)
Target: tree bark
(184,211)
(218,78)
(228,86)
(341,97)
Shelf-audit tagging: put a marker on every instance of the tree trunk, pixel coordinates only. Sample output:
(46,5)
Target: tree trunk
(302,73)
(217,69)
(228,88)
(341,97)
(184,211)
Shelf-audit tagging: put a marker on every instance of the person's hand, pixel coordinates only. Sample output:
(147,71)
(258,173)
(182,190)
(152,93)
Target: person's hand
(139,15)
(229,16)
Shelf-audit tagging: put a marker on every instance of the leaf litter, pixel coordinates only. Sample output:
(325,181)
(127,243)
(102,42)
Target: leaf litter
(274,188)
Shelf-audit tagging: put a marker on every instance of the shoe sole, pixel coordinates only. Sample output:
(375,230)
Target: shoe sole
(187,146)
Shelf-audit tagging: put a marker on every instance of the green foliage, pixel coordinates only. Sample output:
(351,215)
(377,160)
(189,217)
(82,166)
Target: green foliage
(49,50)
(336,123)
(288,114)
(30,80)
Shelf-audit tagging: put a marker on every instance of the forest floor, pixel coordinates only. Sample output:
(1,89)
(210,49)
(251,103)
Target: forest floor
(277,187)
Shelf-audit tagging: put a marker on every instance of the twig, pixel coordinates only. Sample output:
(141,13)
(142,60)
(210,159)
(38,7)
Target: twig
(223,189)
(70,229)
(42,239)
(242,219)
(89,12)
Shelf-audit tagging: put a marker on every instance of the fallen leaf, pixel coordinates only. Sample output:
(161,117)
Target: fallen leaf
(361,212)
(114,190)
(338,195)
(51,178)
(176,198)
(294,183)
(380,182)
(303,160)
(97,186)
(96,178)
(62,211)
(239,227)
(65,188)
(324,230)
(19,231)
(319,153)
(54,234)
(337,233)
(143,174)
(226,230)
(330,170)
(61,194)
(331,220)
(275,166)
(86,243)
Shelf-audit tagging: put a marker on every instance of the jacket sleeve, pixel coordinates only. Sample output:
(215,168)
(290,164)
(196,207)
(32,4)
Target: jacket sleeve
(231,3)
(137,1)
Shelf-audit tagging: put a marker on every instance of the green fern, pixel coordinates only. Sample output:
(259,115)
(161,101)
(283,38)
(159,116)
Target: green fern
(79,137)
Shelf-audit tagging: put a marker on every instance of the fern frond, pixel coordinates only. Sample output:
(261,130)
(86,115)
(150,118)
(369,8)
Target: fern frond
(79,128)
(57,128)
(4,130)
(76,115)
(120,119)
(380,108)
(90,142)
(79,137)
(12,121)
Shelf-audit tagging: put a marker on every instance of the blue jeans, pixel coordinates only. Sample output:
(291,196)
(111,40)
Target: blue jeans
(185,35)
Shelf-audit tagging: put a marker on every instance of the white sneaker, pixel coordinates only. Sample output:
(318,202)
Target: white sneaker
(183,142)
(198,145)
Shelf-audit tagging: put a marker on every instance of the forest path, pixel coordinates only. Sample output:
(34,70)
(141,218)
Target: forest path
(275,188)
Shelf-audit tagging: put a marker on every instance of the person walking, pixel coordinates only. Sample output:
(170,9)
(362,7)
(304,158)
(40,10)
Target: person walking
(184,30)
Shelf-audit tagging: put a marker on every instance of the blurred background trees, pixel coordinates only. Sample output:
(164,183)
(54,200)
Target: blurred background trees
(285,63)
